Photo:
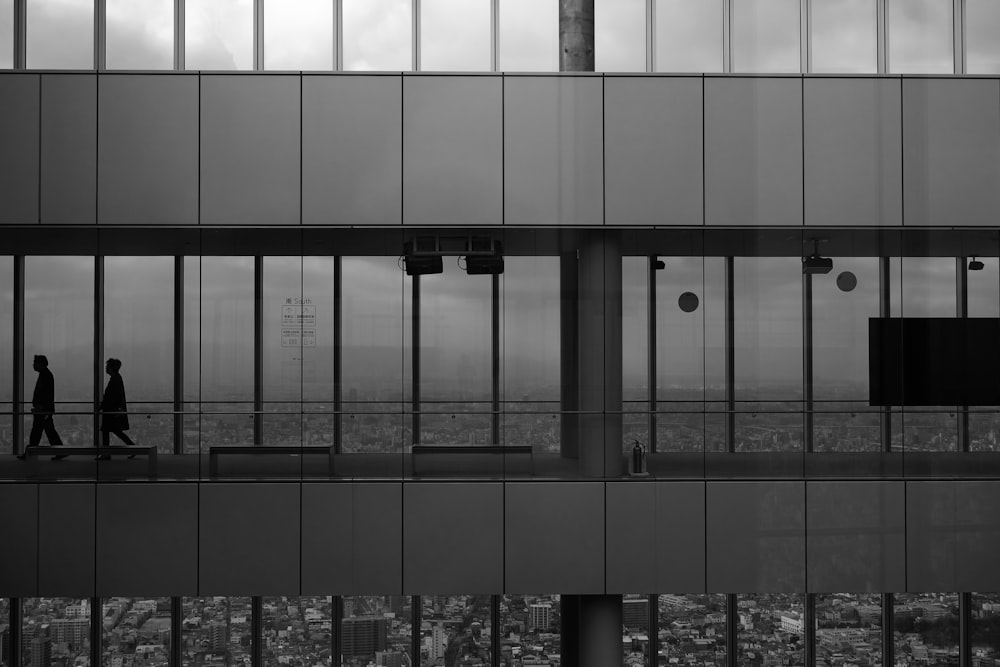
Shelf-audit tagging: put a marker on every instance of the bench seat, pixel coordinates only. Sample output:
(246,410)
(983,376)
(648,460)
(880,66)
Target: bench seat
(263,450)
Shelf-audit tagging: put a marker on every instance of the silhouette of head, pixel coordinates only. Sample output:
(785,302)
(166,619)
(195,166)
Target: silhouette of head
(113,365)
(40,362)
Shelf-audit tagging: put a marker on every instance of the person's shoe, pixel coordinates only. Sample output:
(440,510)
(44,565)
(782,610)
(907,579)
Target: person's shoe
(24,455)
(59,457)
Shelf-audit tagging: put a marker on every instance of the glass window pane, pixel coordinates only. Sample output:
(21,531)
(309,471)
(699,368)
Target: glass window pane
(920,35)
(982,48)
(218,34)
(923,287)
(456,375)
(620,35)
(766,36)
(459,626)
(848,629)
(635,351)
(59,324)
(378,35)
(771,629)
(60,34)
(216,631)
(227,331)
(5,632)
(140,34)
(139,331)
(842,303)
(192,353)
(298,35)
(689,36)
(6,34)
(455,35)
(528,36)
(135,631)
(375,628)
(6,352)
(925,626)
(635,637)
(530,349)
(530,629)
(297,631)
(985,627)
(375,341)
(55,631)
(284,334)
(692,624)
(317,349)
(843,36)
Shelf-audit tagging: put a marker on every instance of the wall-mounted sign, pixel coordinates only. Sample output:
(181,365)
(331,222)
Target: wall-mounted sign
(298,323)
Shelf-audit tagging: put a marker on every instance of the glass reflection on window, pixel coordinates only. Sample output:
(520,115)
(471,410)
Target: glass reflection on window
(377,34)
(283,336)
(375,351)
(635,351)
(60,34)
(317,344)
(692,624)
(771,626)
(375,627)
(982,43)
(6,352)
(848,629)
(59,323)
(530,629)
(217,630)
(55,631)
(920,36)
(298,35)
(218,34)
(135,631)
(138,330)
(6,34)
(620,35)
(766,36)
(528,36)
(140,34)
(984,301)
(926,624)
(689,36)
(455,35)
(296,631)
(843,36)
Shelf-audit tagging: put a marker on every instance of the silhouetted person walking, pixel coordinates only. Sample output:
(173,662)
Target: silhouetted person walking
(114,411)
(43,406)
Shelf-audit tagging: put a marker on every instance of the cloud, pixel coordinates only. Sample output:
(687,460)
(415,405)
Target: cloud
(455,35)
(60,34)
(620,35)
(377,35)
(218,34)
(299,35)
(528,36)
(140,34)
(6,34)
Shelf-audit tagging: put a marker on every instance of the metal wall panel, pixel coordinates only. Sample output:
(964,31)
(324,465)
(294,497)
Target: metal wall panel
(19,132)
(352,150)
(756,537)
(452,150)
(69,149)
(66,540)
(19,527)
(327,544)
(553,161)
(753,151)
(951,151)
(855,537)
(250,149)
(453,538)
(248,539)
(680,537)
(147,539)
(148,149)
(931,563)
(631,520)
(378,539)
(653,143)
(554,537)
(853,152)
(977,535)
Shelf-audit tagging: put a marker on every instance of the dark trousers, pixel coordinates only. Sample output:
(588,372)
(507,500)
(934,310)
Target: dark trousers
(43,423)
(106,438)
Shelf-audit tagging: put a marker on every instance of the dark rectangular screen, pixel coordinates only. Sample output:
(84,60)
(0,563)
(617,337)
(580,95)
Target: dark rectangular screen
(922,361)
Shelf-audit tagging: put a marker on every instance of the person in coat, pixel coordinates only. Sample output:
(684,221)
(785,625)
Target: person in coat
(43,406)
(114,411)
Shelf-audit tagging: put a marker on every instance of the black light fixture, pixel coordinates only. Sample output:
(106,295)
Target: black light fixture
(488,259)
(656,263)
(814,264)
(422,265)
(976,265)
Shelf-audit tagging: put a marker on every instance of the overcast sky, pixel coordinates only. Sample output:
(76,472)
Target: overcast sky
(455,35)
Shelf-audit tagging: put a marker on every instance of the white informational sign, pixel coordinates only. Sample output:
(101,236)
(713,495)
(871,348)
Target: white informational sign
(298,323)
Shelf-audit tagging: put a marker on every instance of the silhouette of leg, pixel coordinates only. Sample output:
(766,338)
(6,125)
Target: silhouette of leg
(53,437)
(124,438)
(35,437)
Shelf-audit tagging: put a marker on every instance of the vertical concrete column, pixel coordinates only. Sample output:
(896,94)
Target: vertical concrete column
(600,362)
(576,35)
(592,630)
(569,354)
